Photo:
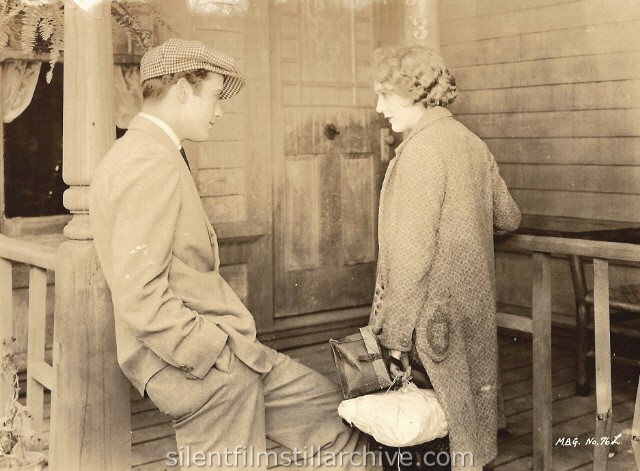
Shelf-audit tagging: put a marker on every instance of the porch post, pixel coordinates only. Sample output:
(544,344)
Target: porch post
(90,427)
(421,25)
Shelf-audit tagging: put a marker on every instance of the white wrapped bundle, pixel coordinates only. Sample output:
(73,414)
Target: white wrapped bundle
(406,417)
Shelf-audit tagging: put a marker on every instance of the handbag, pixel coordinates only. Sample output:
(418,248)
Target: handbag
(360,364)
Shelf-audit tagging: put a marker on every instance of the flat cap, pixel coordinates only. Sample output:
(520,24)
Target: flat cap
(182,55)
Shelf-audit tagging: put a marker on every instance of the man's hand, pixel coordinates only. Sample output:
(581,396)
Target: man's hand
(403,374)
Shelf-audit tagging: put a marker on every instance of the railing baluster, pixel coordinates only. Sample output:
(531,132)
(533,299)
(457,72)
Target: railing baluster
(541,313)
(603,363)
(40,374)
(6,325)
(36,345)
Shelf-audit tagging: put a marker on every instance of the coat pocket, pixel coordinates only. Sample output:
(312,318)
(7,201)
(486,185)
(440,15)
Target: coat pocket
(437,331)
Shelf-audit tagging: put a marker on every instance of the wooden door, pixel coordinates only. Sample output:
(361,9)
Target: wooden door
(326,190)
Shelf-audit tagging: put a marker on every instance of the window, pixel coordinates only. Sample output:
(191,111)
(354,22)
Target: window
(33,153)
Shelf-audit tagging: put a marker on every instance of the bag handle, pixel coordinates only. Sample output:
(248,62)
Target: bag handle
(369,358)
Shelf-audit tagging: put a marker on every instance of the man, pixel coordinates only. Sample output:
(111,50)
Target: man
(183,336)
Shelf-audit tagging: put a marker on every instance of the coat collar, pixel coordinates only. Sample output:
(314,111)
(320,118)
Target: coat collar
(430,116)
(140,123)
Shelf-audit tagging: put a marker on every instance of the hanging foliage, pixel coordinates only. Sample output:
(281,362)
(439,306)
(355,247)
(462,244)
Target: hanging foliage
(124,12)
(38,25)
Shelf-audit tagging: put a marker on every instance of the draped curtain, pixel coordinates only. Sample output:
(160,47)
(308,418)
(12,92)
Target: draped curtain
(19,79)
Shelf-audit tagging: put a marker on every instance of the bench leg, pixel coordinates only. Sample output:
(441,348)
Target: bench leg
(635,433)
(583,344)
(582,321)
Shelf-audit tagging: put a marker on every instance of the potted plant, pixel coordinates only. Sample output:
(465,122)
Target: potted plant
(38,25)
(16,434)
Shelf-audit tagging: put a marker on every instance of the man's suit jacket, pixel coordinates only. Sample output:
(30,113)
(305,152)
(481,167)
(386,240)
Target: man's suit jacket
(441,203)
(160,258)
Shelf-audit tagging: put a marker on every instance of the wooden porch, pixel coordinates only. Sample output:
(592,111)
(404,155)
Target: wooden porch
(587,135)
(574,416)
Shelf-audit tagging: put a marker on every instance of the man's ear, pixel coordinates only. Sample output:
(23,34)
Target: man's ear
(184,90)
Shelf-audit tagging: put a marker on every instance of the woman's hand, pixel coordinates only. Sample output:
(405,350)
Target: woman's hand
(378,323)
(403,374)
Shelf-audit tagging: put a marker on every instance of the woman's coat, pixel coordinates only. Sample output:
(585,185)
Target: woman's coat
(441,203)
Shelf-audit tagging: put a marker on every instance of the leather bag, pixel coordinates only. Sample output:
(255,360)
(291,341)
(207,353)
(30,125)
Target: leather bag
(360,364)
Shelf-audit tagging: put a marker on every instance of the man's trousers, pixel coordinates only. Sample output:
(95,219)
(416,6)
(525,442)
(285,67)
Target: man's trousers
(223,420)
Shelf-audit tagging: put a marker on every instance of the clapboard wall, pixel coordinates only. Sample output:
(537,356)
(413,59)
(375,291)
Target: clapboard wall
(232,167)
(553,88)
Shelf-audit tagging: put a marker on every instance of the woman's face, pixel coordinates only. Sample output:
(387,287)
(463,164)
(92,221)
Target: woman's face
(400,111)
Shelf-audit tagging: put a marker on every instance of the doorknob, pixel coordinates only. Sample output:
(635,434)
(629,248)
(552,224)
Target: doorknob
(389,139)
(386,141)
(330,131)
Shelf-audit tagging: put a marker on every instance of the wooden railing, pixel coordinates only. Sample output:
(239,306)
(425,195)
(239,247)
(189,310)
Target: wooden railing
(40,374)
(540,326)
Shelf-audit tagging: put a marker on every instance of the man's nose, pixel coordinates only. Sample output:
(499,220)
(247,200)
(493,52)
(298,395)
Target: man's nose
(379,105)
(217,112)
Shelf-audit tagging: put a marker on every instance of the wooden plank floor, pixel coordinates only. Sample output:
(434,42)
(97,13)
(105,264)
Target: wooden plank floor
(573,416)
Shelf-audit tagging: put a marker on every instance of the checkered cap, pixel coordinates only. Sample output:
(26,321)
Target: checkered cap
(181,55)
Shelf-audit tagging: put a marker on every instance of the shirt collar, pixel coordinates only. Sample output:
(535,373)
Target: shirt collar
(165,127)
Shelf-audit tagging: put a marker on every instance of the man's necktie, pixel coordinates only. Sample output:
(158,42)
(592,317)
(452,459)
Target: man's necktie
(184,156)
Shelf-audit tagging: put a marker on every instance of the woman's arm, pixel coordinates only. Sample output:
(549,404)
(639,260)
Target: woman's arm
(506,215)
(418,193)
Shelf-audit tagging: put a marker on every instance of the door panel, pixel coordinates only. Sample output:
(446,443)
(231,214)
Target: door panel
(358,199)
(302,218)
(326,190)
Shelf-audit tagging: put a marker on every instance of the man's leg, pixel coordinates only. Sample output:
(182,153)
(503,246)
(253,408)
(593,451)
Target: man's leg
(301,415)
(219,420)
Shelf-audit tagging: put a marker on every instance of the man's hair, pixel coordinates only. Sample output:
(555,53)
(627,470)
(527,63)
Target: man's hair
(155,88)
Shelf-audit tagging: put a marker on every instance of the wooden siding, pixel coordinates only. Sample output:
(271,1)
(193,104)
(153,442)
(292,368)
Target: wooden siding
(552,87)
(232,168)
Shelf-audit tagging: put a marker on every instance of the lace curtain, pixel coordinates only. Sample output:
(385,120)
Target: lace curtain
(19,79)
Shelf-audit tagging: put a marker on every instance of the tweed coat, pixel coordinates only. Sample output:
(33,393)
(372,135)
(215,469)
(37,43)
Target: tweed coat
(441,203)
(160,258)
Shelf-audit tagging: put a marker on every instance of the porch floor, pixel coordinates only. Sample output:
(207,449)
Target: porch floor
(573,416)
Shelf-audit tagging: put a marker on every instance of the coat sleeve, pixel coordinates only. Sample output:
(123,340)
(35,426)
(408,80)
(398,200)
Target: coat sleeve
(506,215)
(418,194)
(146,203)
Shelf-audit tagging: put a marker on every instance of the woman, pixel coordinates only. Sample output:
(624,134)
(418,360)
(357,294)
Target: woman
(441,203)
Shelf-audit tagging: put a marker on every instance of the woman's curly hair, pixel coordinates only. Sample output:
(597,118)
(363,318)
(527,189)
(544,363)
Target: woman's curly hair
(416,73)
